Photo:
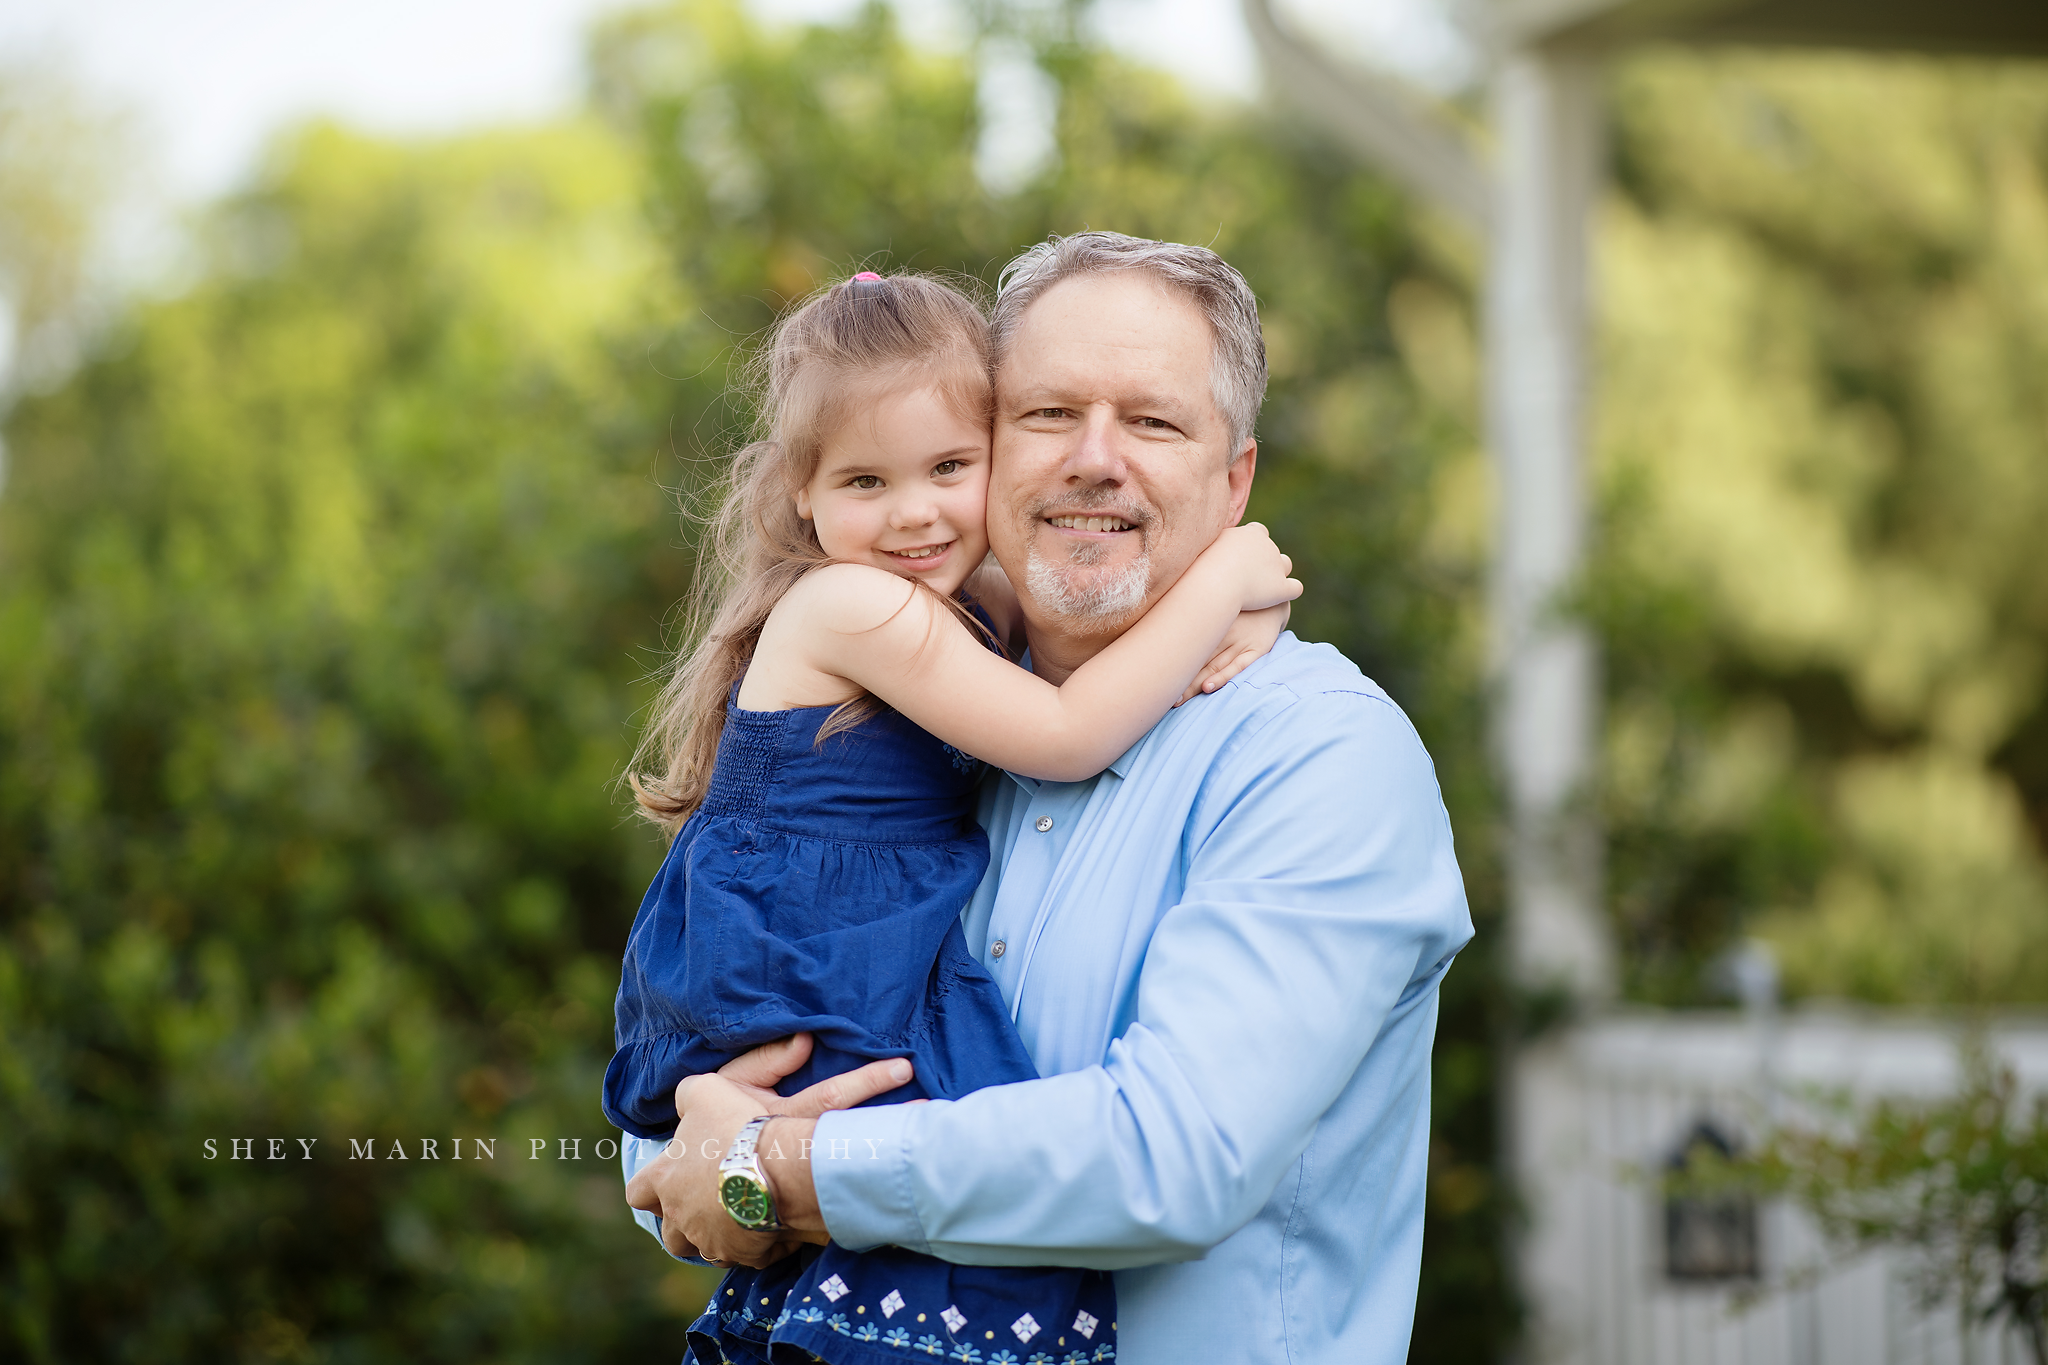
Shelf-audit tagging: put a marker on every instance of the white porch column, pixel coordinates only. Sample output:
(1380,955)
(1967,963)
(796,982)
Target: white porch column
(1547,705)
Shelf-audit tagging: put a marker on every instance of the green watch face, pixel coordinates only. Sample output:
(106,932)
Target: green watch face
(746,1200)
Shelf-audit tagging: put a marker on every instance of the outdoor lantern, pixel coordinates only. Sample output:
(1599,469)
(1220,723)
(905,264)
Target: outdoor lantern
(1708,1236)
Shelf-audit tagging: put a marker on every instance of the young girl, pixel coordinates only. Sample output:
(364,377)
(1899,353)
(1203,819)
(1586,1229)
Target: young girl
(820,746)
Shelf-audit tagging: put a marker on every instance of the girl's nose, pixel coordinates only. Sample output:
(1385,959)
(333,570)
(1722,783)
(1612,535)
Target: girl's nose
(912,512)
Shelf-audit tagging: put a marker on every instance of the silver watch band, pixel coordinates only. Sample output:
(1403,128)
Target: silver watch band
(742,1153)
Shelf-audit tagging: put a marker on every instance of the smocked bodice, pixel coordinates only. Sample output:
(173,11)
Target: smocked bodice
(883,781)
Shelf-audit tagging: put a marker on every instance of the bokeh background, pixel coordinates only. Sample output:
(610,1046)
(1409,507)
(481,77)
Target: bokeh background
(338,540)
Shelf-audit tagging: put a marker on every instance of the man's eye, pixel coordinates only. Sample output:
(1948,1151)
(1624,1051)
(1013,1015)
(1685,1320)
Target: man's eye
(945,467)
(1156,423)
(865,481)
(1049,414)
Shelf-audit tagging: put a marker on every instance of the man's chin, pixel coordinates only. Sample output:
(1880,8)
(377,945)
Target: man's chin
(1096,597)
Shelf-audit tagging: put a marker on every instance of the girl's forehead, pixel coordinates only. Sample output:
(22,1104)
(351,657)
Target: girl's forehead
(906,424)
(960,380)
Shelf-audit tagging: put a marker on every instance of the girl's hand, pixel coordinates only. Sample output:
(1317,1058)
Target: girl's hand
(1251,565)
(1249,640)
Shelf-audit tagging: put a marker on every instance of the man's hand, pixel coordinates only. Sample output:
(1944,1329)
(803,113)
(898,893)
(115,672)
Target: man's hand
(682,1184)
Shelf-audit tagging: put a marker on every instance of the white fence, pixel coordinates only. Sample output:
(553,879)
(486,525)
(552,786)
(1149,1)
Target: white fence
(1601,1105)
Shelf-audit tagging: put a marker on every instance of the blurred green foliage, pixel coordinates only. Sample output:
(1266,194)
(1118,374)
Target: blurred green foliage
(1824,446)
(326,593)
(320,585)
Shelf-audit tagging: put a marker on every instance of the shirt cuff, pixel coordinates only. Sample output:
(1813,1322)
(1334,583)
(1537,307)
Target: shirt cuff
(861,1166)
(634,1153)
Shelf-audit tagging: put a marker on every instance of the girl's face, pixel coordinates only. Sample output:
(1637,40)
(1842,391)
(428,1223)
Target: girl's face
(904,486)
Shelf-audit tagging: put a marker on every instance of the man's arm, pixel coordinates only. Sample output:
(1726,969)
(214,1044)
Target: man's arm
(1322,898)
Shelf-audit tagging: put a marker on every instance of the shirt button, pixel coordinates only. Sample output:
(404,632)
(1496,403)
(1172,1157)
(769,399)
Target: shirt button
(1044,823)
(997,949)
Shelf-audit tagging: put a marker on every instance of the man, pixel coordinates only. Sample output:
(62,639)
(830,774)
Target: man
(1223,953)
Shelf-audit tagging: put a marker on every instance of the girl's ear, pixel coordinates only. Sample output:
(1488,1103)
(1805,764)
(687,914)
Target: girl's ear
(803,503)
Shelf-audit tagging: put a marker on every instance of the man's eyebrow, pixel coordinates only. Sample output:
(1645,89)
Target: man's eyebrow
(1159,402)
(1037,398)
(1028,399)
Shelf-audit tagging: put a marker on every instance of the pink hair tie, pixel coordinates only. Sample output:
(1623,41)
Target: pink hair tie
(867,275)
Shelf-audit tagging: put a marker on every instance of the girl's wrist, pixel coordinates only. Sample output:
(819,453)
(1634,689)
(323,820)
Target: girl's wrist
(1214,576)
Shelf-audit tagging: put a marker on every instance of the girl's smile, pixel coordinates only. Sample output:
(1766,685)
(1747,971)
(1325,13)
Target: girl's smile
(923,559)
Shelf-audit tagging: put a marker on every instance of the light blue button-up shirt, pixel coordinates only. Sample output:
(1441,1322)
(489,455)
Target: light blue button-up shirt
(1223,954)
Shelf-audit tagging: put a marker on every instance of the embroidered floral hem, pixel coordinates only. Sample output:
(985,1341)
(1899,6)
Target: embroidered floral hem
(906,1308)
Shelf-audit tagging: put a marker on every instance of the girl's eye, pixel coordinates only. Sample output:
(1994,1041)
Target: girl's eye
(945,467)
(865,482)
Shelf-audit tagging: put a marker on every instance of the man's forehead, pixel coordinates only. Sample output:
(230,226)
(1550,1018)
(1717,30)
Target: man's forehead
(1108,330)
(1115,301)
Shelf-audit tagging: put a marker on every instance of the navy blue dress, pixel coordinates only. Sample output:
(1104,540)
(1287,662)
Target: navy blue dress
(818,889)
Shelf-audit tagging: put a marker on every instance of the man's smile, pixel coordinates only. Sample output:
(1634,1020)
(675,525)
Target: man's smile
(1084,523)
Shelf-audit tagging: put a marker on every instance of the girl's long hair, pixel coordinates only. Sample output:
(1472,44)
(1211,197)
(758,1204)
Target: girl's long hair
(844,347)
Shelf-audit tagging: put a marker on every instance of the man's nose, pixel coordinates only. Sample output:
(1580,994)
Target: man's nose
(1096,457)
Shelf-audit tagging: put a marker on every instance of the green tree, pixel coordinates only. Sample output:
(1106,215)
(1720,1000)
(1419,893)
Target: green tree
(1824,441)
(318,592)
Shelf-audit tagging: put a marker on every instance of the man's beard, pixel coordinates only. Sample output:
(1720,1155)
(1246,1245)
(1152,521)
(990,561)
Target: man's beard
(1074,587)
(1102,596)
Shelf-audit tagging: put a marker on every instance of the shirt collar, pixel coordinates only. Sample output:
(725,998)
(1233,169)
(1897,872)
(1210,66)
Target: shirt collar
(1120,765)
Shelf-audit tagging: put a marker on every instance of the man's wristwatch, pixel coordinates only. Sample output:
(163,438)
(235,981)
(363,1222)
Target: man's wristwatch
(743,1187)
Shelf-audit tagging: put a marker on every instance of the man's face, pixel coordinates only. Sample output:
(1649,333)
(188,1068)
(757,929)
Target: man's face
(1113,465)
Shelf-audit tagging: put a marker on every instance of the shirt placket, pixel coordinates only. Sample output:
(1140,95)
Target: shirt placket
(1042,835)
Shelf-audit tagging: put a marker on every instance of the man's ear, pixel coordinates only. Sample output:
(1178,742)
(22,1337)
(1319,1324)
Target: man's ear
(1240,476)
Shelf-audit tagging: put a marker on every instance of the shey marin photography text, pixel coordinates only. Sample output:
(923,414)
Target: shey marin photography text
(397,1149)
(480,1149)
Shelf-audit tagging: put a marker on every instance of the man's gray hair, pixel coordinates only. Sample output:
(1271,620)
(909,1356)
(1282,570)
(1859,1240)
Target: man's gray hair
(1238,376)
